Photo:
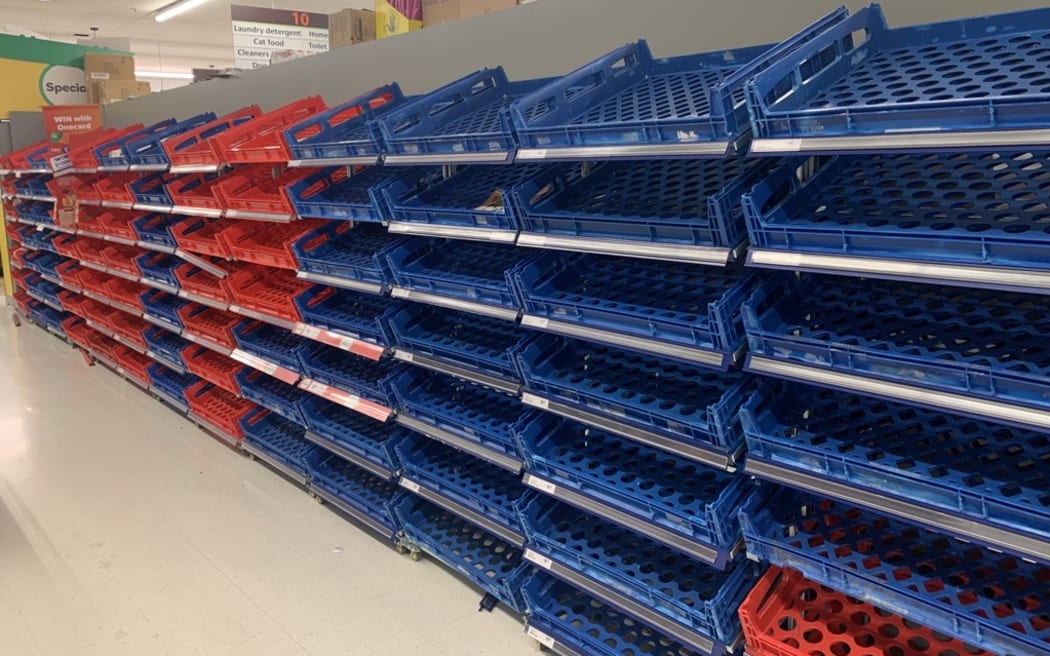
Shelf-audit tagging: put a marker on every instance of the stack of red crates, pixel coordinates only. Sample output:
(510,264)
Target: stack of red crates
(195,280)
(212,324)
(134,364)
(270,244)
(269,291)
(201,236)
(215,368)
(197,148)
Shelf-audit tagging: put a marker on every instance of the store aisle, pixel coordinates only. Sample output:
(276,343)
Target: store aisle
(126,530)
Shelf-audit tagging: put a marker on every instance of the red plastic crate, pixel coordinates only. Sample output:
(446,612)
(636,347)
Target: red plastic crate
(196,280)
(787,615)
(196,191)
(134,364)
(114,188)
(20,276)
(90,219)
(219,408)
(122,258)
(82,149)
(269,291)
(198,147)
(94,281)
(270,244)
(261,139)
(200,235)
(100,313)
(70,323)
(117,223)
(79,332)
(101,345)
(18,160)
(125,292)
(89,249)
(215,368)
(212,324)
(66,244)
(65,297)
(131,328)
(71,272)
(257,193)
(22,301)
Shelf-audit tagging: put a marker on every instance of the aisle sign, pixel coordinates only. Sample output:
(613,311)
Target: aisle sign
(260,34)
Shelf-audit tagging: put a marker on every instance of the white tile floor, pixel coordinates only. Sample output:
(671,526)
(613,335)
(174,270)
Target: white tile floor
(126,530)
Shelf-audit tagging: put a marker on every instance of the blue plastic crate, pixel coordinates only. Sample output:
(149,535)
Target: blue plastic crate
(355,259)
(151,191)
(281,440)
(271,343)
(159,268)
(490,563)
(147,151)
(648,580)
(111,154)
(683,210)
(342,195)
(171,384)
(463,121)
(365,378)
(474,203)
(45,289)
(33,185)
(970,215)
(155,229)
(667,498)
(686,312)
(679,408)
(362,316)
(481,493)
(38,240)
(982,597)
(167,345)
(37,211)
(465,345)
(573,623)
(464,275)
(907,341)
(43,262)
(274,395)
(629,104)
(860,86)
(344,134)
(984,481)
(164,306)
(50,317)
(356,492)
(362,440)
(469,417)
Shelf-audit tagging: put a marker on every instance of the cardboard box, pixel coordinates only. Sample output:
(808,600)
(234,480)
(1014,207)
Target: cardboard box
(109,67)
(351,26)
(111,91)
(398,17)
(436,12)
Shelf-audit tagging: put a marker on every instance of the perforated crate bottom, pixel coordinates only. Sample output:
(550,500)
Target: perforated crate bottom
(1001,330)
(464,337)
(926,455)
(660,97)
(624,558)
(281,437)
(588,626)
(787,615)
(984,67)
(484,558)
(983,587)
(657,479)
(356,248)
(465,262)
(674,291)
(484,188)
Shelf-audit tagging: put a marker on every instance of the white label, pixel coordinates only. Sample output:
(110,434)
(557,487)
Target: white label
(792,144)
(308,332)
(536,401)
(347,343)
(535,322)
(254,362)
(541,485)
(541,637)
(538,559)
(410,485)
(406,356)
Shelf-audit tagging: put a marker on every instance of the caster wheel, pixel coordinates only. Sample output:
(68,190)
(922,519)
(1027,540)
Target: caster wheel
(251,456)
(402,550)
(318,499)
(416,556)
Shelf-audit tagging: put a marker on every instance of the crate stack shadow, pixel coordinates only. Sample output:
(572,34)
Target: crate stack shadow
(735,350)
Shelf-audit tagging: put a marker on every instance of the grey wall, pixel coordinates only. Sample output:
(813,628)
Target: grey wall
(547,37)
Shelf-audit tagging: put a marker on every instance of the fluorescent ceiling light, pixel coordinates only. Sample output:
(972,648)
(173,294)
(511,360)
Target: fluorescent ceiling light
(164,75)
(176,8)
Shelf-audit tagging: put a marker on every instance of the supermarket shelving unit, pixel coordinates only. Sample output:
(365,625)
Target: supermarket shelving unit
(436,317)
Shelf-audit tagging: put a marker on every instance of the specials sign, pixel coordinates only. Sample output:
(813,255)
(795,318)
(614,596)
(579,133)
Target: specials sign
(262,35)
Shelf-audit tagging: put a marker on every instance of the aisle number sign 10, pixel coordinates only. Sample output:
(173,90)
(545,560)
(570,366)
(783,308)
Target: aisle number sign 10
(262,35)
